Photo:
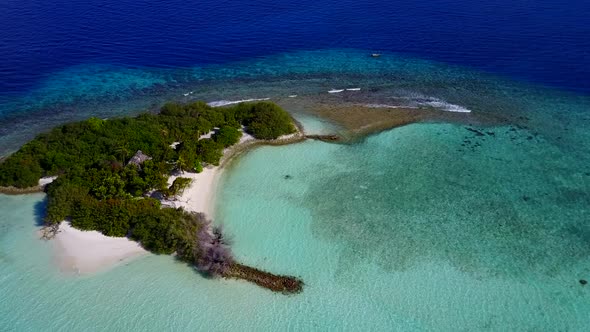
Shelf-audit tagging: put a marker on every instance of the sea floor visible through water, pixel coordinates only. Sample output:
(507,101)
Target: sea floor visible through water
(477,224)
(381,240)
(300,81)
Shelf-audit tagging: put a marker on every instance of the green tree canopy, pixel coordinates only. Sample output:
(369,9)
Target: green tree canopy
(97,187)
(227,136)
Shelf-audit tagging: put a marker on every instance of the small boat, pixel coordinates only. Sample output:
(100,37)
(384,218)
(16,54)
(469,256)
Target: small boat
(376,55)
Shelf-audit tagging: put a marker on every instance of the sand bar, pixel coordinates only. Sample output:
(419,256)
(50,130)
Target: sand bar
(200,195)
(85,252)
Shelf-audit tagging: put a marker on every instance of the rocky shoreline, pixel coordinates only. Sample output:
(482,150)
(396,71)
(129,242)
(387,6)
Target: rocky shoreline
(43,182)
(276,283)
(234,270)
(21,191)
(234,151)
(325,138)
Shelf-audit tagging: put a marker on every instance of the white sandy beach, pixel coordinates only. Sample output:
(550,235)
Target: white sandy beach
(199,196)
(85,252)
(82,252)
(46,180)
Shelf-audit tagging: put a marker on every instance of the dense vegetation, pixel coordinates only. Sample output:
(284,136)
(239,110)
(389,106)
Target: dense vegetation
(178,186)
(99,189)
(267,121)
(106,145)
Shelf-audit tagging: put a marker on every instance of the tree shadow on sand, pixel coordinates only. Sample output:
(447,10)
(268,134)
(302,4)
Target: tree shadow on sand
(40,210)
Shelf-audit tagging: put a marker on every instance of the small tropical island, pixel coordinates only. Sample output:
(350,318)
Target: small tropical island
(116,176)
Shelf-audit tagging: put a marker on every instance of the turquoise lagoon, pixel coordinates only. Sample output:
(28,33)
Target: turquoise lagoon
(382,241)
(431,226)
(106,90)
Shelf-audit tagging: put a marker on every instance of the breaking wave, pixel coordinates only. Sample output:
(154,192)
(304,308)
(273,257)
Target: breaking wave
(442,105)
(220,103)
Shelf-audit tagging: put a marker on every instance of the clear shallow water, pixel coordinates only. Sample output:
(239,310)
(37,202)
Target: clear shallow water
(106,91)
(406,230)
(422,230)
(426,227)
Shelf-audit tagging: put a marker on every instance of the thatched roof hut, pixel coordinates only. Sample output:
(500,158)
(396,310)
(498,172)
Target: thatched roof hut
(139,158)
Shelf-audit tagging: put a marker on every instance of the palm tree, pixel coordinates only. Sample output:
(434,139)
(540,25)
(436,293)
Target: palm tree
(181,164)
(123,150)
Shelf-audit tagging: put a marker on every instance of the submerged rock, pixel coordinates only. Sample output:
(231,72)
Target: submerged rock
(214,257)
(276,283)
(325,138)
(475,131)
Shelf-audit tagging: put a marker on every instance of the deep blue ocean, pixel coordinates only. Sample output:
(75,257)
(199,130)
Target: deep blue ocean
(540,41)
(67,60)
(475,224)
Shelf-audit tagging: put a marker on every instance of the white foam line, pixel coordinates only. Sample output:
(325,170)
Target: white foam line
(219,103)
(354,89)
(335,91)
(387,106)
(448,107)
(421,100)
